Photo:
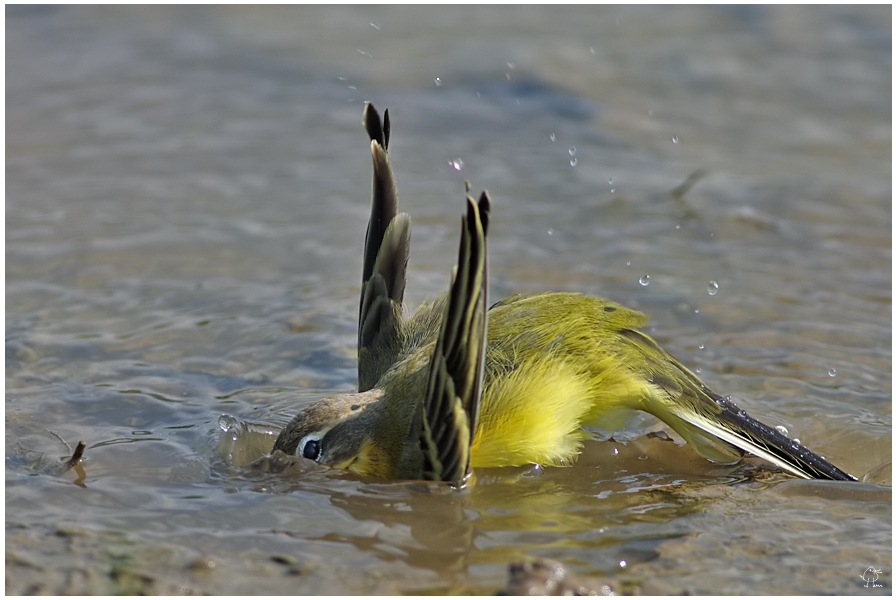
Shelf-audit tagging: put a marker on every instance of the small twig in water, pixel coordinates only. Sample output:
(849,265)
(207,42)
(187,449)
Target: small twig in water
(680,192)
(75,463)
(76,455)
(60,438)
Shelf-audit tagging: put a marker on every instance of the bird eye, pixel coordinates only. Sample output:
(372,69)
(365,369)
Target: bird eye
(310,448)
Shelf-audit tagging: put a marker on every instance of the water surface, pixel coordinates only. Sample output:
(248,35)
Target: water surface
(186,200)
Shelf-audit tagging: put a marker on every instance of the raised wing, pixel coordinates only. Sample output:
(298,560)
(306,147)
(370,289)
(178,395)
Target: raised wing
(454,390)
(386,249)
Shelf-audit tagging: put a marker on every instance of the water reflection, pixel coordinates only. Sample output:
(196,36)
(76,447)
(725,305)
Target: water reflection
(596,511)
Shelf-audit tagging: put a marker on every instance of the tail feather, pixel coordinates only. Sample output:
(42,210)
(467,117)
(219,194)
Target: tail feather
(716,428)
(736,427)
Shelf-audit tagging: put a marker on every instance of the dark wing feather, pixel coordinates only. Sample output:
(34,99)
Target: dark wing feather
(384,273)
(454,390)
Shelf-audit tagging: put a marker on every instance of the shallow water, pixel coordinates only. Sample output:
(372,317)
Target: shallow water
(186,199)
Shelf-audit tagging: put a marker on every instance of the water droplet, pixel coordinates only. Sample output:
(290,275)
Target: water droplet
(678,227)
(375,26)
(697,370)
(231,425)
(696,311)
(438,81)
(456,163)
(713,288)
(645,280)
(700,346)
(797,440)
(832,372)
(643,457)
(352,87)
(610,181)
(782,430)
(553,137)
(510,65)
(674,139)
(628,263)
(550,231)
(573,161)
(225,422)
(572,151)
(615,451)
(508,76)
(622,564)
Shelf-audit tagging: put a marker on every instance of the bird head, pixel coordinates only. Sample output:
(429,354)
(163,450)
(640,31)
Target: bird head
(334,431)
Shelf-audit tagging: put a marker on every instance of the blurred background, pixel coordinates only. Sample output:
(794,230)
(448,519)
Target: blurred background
(187,191)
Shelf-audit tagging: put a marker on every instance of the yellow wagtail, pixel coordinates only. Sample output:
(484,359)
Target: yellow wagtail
(457,385)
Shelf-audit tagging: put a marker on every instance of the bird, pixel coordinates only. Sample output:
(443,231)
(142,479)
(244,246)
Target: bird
(460,385)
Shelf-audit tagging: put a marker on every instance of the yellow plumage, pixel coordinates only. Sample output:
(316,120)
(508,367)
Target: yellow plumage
(532,416)
(547,374)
